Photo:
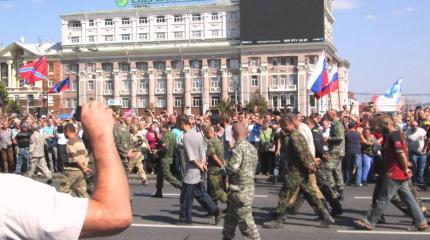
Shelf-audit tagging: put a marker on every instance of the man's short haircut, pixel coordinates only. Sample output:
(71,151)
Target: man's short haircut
(310,120)
(69,127)
(289,117)
(183,119)
(208,128)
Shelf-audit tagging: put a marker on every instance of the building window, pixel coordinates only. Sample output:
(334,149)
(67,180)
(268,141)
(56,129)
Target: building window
(215,16)
(91,39)
(143,36)
(142,66)
(161,19)
(108,38)
(50,67)
(254,62)
(292,100)
(161,102)
(91,23)
(126,21)
(75,39)
(109,85)
(75,24)
(215,101)
(90,85)
(125,103)
(197,101)
(161,66)
(143,20)
(234,83)
(215,63)
(142,103)
(197,84)
(177,65)
(254,81)
(178,102)
(312,101)
(178,19)
(108,22)
(196,34)
(235,34)
(125,67)
(91,67)
(196,64)
(179,35)
(215,33)
(215,82)
(282,80)
(234,16)
(275,81)
(125,37)
(197,18)
(143,84)
(162,84)
(107,67)
(179,83)
(50,83)
(312,59)
(126,85)
(161,36)
(233,63)
(293,79)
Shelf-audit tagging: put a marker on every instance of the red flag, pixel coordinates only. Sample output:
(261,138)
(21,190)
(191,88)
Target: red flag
(35,71)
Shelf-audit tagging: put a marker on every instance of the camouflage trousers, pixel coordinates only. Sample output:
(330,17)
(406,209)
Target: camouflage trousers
(165,172)
(298,199)
(74,183)
(331,172)
(296,183)
(138,164)
(215,188)
(239,213)
(38,163)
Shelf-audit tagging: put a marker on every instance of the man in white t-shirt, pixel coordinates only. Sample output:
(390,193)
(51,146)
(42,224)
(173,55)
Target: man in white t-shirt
(416,140)
(54,215)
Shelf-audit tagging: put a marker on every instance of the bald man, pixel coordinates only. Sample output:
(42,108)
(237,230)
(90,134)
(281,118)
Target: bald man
(240,169)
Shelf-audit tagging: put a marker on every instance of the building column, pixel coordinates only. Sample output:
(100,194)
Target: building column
(9,74)
(116,81)
(83,86)
(224,79)
(134,85)
(187,90)
(244,86)
(99,83)
(169,99)
(264,80)
(151,88)
(206,98)
(302,96)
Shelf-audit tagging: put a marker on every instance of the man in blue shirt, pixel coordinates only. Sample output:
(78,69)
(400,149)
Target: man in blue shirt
(50,132)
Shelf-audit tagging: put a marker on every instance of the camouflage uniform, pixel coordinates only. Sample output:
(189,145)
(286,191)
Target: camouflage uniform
(240,169)
(123,141)
(136,160)
(169,144)
(215,148)
(332,169)
(297,179)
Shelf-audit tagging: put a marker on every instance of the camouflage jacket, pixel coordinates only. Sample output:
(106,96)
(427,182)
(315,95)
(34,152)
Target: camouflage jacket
(123,141)
(169,143)
(297,153)
(241,165)
(215,148)
(336,141)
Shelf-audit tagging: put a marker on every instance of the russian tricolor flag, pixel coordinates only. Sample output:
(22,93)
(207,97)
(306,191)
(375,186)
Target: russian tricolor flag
(61,86)
(333,85)
(319,78)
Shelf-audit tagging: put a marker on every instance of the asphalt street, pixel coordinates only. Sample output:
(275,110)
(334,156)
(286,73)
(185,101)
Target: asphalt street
(155,219)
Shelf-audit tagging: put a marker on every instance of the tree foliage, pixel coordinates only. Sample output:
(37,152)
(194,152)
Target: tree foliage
(3,95)
(13,106)
(225,106)
(257,103)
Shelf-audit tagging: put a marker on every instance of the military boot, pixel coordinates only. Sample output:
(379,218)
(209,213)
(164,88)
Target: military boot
(276,222)
(158,194)
(327,219)
(340,195)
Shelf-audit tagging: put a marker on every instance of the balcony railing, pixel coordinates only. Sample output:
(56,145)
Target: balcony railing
(282,88)
(215,89)
(160,91)
(178,90)
(196,90)
(108,91)
(125,91)
(142,91)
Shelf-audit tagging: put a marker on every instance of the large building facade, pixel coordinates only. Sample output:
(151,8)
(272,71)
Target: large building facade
(187,58)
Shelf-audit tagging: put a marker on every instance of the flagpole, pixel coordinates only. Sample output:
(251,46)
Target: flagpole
(338,96)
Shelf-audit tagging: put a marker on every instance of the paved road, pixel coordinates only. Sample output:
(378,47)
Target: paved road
(155,219)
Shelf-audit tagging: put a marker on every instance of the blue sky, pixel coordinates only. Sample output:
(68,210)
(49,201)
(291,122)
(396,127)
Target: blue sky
(382,39)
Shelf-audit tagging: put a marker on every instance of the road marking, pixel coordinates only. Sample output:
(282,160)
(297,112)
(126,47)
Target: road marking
(382,232)
(178,194)
(177,226)
(360,198)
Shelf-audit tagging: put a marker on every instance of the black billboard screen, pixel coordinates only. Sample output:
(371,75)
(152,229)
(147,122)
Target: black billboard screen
(281,21)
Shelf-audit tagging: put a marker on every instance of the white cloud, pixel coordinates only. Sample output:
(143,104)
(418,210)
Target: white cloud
(403,11)
(345,5)
(370,17)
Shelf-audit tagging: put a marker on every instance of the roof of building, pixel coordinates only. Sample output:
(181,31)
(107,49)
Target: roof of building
(34,48)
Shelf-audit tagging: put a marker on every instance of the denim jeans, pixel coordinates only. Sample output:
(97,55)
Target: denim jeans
(367,165)
(22,161)
(351,160)
(188,193)
(388,190)
(419,164)
(51,150)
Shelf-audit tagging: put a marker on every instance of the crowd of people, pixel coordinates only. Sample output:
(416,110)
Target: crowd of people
(315,157)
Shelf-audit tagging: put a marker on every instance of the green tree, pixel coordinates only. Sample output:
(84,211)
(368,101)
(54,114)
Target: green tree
(13,106)
(3,96)
(225,106)
(257,103)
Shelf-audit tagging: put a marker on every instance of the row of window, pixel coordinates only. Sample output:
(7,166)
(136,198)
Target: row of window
(161,102)
(283,61)
(158,19)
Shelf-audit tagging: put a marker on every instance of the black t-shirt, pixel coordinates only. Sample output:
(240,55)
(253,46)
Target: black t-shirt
(23,139)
